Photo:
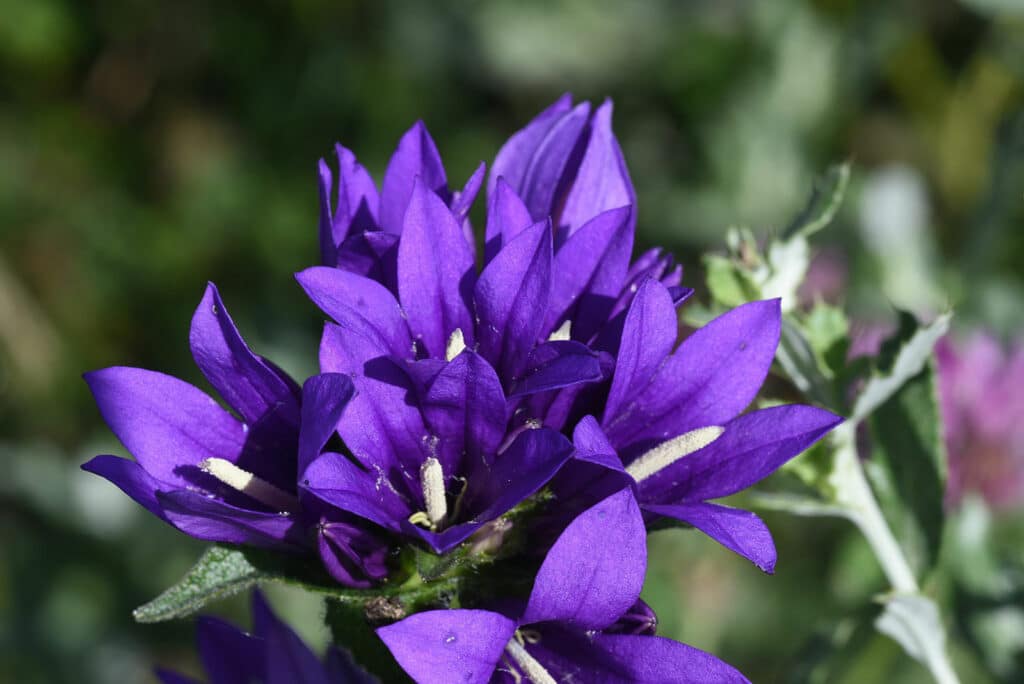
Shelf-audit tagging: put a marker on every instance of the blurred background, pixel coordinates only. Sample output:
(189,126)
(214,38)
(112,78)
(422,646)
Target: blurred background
(147,147)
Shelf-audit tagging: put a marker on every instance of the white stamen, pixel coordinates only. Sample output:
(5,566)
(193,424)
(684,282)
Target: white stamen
(667,453)
(432,480)
(564,332)
(531,668)
(250,485)
(456,343)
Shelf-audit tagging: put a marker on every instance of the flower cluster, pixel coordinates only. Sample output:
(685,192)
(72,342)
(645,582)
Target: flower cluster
(525,408)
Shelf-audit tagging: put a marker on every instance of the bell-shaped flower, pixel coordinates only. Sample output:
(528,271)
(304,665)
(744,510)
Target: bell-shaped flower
(579,622)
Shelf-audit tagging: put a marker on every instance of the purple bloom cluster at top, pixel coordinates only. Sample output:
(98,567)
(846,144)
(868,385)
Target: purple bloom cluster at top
(461,384)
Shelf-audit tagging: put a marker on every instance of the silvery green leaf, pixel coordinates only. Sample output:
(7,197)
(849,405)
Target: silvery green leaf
(786,267)
(913,622)
(729,284)
(826,197)
(907,361)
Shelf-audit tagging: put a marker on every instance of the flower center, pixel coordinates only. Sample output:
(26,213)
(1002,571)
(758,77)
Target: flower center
(667,453)
(250,485)
(456,343)
(526,662)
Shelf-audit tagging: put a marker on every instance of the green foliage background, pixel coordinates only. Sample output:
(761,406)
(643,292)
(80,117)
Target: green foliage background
(147,147)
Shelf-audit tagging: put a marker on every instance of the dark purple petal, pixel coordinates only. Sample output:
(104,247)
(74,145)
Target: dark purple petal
(592,445)
(415,157)
(639,620)
(287,660)
(328,240)
(244,380)
(324,398)
(602,181)
(595,570)
(435,272)
(657,659)
(201,517)
(710,378)
(553,164)
(131,479)
(735,529)
(463,200)
(229,655)
(169,677)
(357,203)
(507,216)
(465,409)
(515,156)
(591,268)
(648,336)
(553,365)
(752,447)
(446,646)
(369,315)
(511,297)
(164,422)
(334,479)
(352,553)
(342,669)
(373,254)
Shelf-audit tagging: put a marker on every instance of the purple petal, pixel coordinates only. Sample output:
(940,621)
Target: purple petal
(169,677)
(735,529)
(368,313)
(553,163)
(553,365)
(463,200)
(648,336)
(710,378)
(334,479)
(287,659)
(507,216)
(511,297)
(354,555)
(373,254)
(415,157)
(595,570)
(204,518)
(639,620)
(592,445)
(602,181)
(243,379)
(752,447)
(515,155)
(164,422)
(447,646)
(591,268)
(328,240)
(435,272)
(357,203)
(131,479)
(324,398)
(465,409)
(342,669)
(657,659)
(229,655)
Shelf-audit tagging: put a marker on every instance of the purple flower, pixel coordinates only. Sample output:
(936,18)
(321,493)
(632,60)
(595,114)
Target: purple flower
(578,624)
(673,417)
(229,477)
(983,414)
(272,654)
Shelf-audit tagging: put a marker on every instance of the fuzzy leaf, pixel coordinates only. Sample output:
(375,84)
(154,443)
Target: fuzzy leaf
(826,197)
(913,622)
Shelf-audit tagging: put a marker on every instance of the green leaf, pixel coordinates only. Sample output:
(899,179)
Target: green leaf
(902,359)
(827,331)
(801,364)
(913,622)
(223,571)
(908,467)
(728,283)
(826,197)
(787,264)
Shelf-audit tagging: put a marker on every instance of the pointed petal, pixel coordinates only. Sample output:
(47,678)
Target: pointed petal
(369,315)
(415,157)
(752,447)
(446,646)
(595,570)
(357,196)
(648,336)
(328,241)
(324,398)
(287,659)
(334,479)
(511,297)
(229,655)
(507,216)
(463,200)
(373,254)
(243,379)
(558,364)
(164,422)
(435,272)
(201,517)
(553,164)
(131,479)
(591,268)
(515,155)
(711,377)
(354,553)
(657,659)
(602,181)
(465,409)
(592,445)
(735,529)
